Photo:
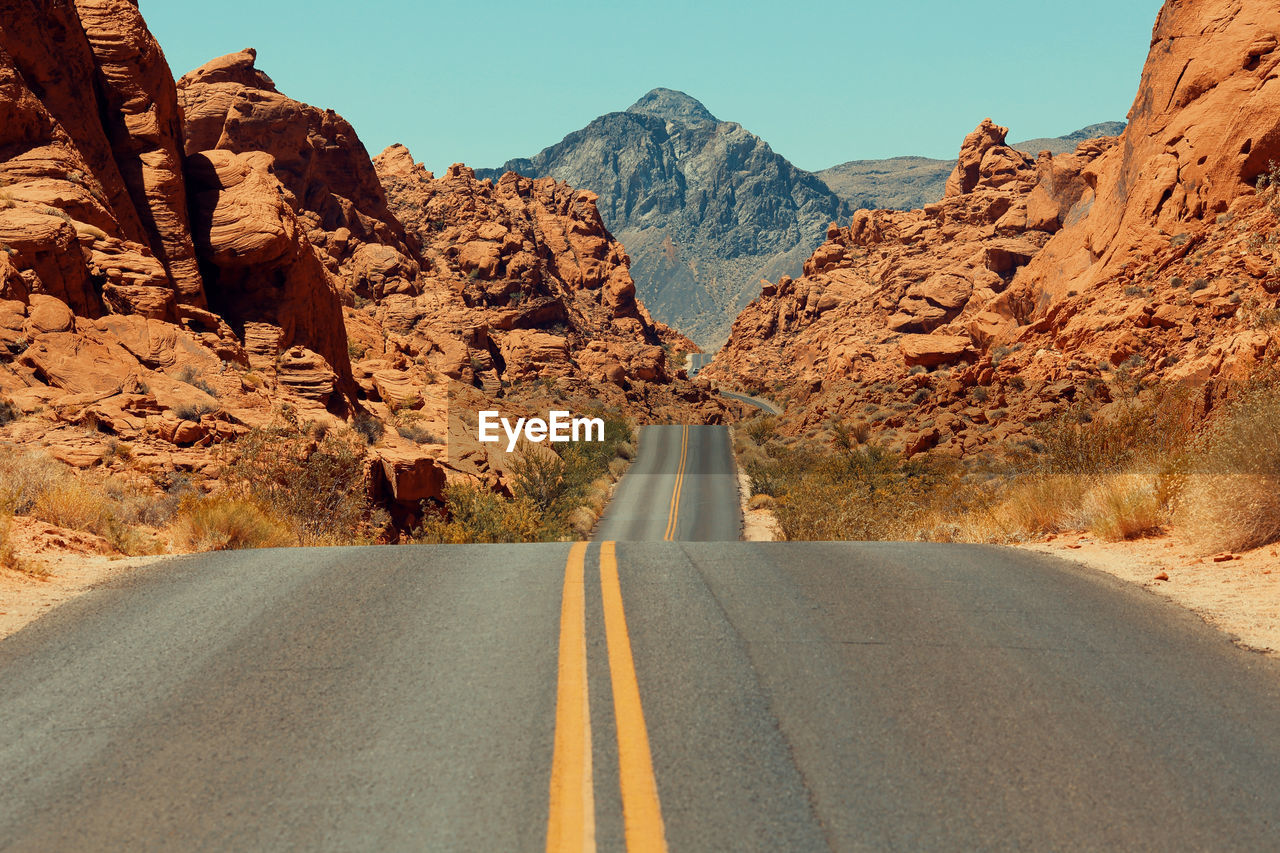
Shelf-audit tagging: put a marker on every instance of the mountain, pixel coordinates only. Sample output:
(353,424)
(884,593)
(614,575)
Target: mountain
(905,183)
(1036,285)
(1066,144)
(182,262)
(705,208)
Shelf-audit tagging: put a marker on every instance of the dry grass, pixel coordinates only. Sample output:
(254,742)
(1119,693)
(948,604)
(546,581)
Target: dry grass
(74,505)
(1129,470)
(228,524)
(312,480)
(1231,499)
(1127,506)
(33,484)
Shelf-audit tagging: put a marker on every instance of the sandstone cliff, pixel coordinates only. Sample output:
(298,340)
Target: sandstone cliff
(1034,284)
(180,261)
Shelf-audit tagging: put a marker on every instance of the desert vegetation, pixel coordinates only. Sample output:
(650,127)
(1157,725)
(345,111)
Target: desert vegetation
(299,483)
(1147,463)
(557,492)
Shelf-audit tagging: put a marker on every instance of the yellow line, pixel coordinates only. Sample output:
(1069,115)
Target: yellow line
(641,810)
(673,514)
(571,823)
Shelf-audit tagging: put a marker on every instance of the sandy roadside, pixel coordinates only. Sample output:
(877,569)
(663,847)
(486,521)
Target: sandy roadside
(1240,595)
(66,564)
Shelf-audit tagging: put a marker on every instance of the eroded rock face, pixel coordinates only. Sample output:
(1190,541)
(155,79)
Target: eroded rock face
(231,105)
(1145,259)
(534,275)
(145,131)
(268,281)
(91,202)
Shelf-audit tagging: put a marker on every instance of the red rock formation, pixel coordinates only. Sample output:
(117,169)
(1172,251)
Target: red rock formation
(231,105)
(144,125)
(527,273)
(1162,263)
(173,281)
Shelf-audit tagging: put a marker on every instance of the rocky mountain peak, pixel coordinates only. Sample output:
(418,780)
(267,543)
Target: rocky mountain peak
(673,106)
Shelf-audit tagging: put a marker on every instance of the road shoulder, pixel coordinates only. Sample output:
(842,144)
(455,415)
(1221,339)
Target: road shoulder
(1238,594)
(65,564)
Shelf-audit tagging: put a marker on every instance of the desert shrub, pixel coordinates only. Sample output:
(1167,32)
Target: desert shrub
(478,515)
(314,486)
(117,450)
(227,523)
(1029,506)
(1127,434)
(24,477)
(863,493)
(195,379)
(761,428)
(369,428)
(36,485)
(1124,507)
(194,411)
(8,412)
(1231,500)
(75,505)
(766,476)
(417,433)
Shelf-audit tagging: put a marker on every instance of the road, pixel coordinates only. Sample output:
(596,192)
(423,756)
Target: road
(697,695)
(682,486)
(697,361)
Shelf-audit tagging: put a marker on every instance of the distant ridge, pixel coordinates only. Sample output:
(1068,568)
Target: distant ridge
(907,183)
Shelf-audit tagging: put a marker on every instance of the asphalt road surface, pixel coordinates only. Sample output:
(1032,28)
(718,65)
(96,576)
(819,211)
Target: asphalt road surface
(683,485)
(697,361)
(692,695)
(763,405)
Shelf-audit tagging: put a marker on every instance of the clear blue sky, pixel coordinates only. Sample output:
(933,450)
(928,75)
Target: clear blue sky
(822,82)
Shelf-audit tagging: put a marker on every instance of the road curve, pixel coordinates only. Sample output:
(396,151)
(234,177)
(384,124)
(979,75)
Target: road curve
(682,486)
(763,405)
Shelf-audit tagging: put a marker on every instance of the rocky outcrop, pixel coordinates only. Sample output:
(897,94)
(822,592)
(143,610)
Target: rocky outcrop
(267,280)
(528,261)
(704,207)
(907,183)
(896,299)
(1128,264)
(144,126)
(91,208)
(317,156)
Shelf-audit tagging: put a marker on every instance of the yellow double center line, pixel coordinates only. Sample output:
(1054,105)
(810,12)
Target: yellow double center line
(673,514)
(571,823)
